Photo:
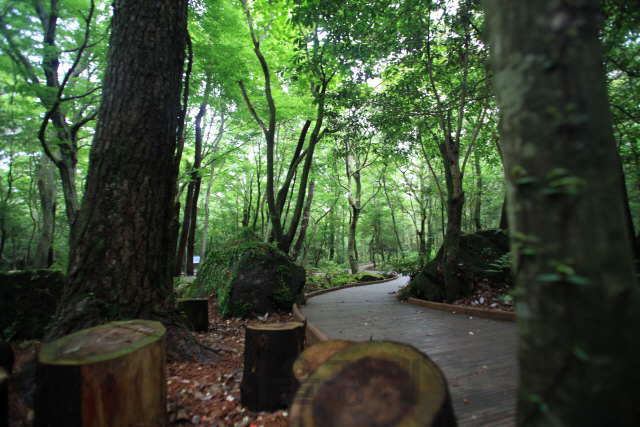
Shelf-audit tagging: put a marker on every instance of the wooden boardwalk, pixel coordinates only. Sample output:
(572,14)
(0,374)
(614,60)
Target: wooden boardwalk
(477,356)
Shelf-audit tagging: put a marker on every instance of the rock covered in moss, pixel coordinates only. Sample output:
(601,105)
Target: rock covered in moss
(250,277)
(28,301)
(369,277)
(478,255)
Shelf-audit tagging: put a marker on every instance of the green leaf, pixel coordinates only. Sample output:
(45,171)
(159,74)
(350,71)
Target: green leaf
(526,180)
(578,280)
(549,191)
(550,277)
(562,268)
(580,354)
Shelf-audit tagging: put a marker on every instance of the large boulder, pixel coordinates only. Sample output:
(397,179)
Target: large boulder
(250,277)
(478,255)
(28,301)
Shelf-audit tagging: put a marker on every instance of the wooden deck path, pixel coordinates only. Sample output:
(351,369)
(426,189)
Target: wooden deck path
(477,356)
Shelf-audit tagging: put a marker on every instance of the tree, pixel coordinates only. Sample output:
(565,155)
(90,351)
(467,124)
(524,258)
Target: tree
(578,300)
(120,267)
(52,87)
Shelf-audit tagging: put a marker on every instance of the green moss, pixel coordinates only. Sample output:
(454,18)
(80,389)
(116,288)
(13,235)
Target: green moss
(216,273)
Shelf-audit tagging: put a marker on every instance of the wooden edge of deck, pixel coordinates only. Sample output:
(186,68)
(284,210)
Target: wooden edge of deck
(505,316)
(312,334)
(347,285)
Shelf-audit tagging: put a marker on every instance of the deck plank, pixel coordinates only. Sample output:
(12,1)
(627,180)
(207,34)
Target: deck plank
(478,356)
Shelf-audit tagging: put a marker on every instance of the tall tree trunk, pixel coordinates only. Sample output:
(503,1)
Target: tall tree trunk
(45,172)
(504,221)
(578,301)
(120,242)
(203,247)
(332,236)
(184,229)
(351,246)
(478,202)
(393,217)
(455,203)
(305,221)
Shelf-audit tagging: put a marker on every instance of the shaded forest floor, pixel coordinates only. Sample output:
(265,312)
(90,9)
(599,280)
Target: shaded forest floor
(198,394)
(487,294)
(208,394)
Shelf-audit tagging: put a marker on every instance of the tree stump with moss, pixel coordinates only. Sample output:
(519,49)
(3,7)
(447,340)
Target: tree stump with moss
(374,384)
(196,313)
(313,357)
(110,375)
(269,353)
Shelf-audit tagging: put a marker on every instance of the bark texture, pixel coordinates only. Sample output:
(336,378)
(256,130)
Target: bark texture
(45,173)
(577,295)
(120,243)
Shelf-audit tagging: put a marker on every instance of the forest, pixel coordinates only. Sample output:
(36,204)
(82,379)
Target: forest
(357,102)
(341,132)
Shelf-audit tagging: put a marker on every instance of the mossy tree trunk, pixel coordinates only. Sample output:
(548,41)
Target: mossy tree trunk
(578,302)
(120,256)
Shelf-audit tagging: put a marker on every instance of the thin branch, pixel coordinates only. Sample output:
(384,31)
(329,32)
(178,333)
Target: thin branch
(251,109)
(71,98)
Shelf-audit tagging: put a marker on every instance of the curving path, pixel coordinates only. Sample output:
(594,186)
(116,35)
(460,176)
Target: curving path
(477,356)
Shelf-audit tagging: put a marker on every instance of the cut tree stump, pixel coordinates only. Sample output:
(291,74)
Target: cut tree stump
(7,358)
(108,376)
(269,353)
(311,359)
(374,384)
(196,313)
(4,398)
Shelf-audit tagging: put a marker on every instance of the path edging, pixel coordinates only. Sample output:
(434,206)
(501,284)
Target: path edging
(312,334)
(505,316)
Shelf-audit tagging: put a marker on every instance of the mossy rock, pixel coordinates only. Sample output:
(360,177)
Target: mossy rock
(250,277)
(369,277)
(28,301)
(476,254)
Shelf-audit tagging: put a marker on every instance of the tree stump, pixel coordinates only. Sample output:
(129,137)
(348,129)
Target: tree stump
(269,353)
(196,313)
(107,376)
(4,398)
(311,359)
(374,384)
(6,366)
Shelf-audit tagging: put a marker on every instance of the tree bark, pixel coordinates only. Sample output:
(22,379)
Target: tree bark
(121,239)
(45,172)
(578,302)
(103,376)
(393,217)
(477,220)
(197,163)
(184,229)
(351,246)
(203,247)
(305,221)
(270,350)
(455,203)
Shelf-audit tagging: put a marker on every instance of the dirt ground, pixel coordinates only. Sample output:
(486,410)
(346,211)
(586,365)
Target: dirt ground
(198,394)
(208,394)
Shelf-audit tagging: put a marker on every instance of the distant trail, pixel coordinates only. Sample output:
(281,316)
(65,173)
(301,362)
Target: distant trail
(477,356)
